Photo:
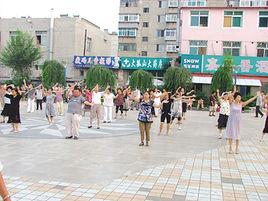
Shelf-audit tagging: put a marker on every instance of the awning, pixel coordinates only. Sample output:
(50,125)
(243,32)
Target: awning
(239,81)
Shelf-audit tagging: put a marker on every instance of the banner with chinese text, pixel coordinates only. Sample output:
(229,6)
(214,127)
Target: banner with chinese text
(144,63)
(89,61)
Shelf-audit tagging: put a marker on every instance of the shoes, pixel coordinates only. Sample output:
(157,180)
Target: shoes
(98,127)
(89,127)
(69,137)
(141,144)
(109,122)
(147,144)
(75,138)
(179,128)
(220,137)
(104,122)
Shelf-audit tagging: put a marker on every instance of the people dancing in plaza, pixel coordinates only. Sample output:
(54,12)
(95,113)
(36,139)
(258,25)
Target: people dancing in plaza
(30,91)
(265,129)
(176,109)
(232,132)
(119,103)
(39,94)
(108,103)
(59,100)
(95,106)
(259,104)
(3,189)
(14,115)
(165,106)
(50,108)
(145,118)
(224,111)
(74,113)
(7,104)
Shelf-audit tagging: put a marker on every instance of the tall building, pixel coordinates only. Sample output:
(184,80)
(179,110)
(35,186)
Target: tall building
(60,39)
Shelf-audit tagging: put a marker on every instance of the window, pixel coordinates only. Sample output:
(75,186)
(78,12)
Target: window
(145,24)
(231,48)
(127,47)
(193,3)
(145,39)
(170,34)
(199,18)
(13,34)
(262,49)
(171,48)
(82,73)
(160,47)
(198,47)
(146,10)
(171,18)
(173,3)
(162,4)
(253,3)
(161,18)
(89,44)
(129,18)
(128,3)
(263,19)
(160,33)
(41,38)
(127,32)
(233,18)
(143,53)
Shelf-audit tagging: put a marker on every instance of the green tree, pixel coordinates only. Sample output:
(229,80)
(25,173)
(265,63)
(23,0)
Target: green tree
(176,77)
(53,72)
(141,80)
(19,54)
(100,75)
(222,79)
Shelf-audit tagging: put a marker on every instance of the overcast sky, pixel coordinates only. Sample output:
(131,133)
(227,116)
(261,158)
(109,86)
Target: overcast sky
(104,13)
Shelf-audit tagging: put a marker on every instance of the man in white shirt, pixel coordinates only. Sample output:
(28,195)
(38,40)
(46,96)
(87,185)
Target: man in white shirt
(96,106)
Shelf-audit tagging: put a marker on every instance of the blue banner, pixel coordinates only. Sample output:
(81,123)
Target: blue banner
(89,61)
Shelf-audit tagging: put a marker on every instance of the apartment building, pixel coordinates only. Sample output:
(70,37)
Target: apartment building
(61,39)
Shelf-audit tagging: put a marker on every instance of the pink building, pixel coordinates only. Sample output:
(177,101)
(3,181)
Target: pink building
(240,31)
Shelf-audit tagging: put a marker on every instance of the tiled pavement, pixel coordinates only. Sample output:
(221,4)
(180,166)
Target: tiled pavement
(210,175)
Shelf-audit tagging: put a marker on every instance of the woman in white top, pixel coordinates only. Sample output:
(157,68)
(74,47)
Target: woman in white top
(157,101)
(108,103)
(3,190)
(224,112)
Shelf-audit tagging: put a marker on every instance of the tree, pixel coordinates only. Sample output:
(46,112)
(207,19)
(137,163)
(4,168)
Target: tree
(176,77)
(141,80)
(19,54)
(53,72)
(222,79)
(100,75)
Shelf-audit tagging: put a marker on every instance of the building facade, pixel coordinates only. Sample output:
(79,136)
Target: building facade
(60,39)
(239,30)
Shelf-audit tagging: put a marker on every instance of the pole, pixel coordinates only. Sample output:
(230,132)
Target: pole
(51,34)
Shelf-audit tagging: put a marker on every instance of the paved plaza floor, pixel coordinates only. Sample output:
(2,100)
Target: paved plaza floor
(108,164)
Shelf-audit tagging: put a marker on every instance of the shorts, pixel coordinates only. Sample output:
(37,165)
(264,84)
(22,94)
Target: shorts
(165,117)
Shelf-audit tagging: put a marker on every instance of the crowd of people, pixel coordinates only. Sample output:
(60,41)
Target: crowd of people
(150,104)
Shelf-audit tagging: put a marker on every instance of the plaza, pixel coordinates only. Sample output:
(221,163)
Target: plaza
(108,164)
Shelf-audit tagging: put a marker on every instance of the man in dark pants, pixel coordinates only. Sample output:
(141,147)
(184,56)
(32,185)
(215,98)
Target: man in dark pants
(259,104)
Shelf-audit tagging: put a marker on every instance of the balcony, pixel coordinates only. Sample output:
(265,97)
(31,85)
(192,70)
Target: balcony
(193,3)
(253,3)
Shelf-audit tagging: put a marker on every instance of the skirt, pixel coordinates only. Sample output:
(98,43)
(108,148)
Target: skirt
(6,110)
(265,130)
(222,121)
(184,107)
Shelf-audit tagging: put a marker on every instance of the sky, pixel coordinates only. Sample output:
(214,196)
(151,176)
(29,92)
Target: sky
(103,13)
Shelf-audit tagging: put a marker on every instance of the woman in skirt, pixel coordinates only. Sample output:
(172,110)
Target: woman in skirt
(265,130)
(224,112)
(50,108)
(232,132)
(14,116)
(7,104)
(165,112)
(176,109)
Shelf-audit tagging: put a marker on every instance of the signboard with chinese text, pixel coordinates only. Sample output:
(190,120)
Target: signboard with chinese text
(144,63)
(243,64)
(192,62)
(89,61)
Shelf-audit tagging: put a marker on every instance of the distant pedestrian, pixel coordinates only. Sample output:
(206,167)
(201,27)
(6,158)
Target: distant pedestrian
(50,108)
(119,103)
(212,104)
(59,100)
(39,93)
(108,103)
(259,104)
